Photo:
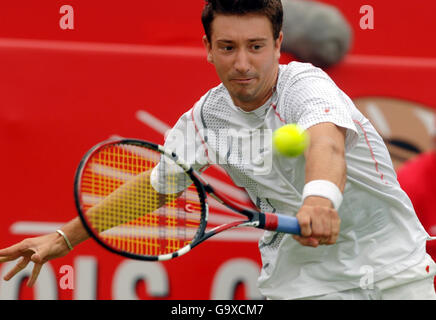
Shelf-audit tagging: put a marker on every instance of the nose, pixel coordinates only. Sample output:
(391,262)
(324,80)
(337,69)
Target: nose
(242,62)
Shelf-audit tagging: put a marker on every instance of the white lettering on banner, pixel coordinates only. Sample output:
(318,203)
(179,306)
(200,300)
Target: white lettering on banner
(129,272)
(125,278)
(233,272)
(45,286)
(153,122)
(86,280)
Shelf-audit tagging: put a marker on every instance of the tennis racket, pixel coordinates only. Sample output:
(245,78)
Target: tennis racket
(142,201)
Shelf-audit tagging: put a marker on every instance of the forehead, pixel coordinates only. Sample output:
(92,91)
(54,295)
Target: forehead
(241,27)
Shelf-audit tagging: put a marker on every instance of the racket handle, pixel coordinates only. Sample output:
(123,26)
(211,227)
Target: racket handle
(282,223)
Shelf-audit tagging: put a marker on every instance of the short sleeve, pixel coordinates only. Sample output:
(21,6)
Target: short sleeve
(314,99)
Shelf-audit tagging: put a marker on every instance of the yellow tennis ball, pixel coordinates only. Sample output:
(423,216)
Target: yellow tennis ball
(290,140)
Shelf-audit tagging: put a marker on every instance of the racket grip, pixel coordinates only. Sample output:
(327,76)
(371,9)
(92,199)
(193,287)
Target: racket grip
(282,223)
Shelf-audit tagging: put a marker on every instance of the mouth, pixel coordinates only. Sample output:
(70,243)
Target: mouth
(243,80)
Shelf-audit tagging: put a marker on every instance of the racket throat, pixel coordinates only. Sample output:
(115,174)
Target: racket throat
(267,221)
(224,200)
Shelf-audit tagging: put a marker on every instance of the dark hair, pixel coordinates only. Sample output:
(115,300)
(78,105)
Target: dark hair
(272,9)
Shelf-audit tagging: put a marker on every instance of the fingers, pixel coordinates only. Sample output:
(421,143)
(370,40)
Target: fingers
(305,223)
(13,252)
(22,249)
(322,225)
(6,259)
(336,226)
(307,241)
(35,274)
(319,226)
(18,267)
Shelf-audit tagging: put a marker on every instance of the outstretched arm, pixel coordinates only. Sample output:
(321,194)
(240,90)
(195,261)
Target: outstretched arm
(41,249)
(325,160)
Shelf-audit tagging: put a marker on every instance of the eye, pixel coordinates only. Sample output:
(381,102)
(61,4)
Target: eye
(256,47)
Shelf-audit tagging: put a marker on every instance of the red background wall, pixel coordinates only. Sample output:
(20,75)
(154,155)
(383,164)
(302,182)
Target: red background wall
(62,91)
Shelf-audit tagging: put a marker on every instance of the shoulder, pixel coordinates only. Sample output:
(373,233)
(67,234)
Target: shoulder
(206,99)
(213,106)
(295,71)
(216,99)
(215,93)
(304,88)
(299,82)
(196,109)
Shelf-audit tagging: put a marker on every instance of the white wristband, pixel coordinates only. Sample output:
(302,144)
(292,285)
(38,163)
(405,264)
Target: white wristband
(324,189)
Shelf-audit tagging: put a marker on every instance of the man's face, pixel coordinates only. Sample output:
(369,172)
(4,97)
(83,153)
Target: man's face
(245,56)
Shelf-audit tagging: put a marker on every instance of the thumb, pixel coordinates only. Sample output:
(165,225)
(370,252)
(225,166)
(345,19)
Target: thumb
(36,257)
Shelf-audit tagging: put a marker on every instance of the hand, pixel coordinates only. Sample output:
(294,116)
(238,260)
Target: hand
(39,250)
(319,225)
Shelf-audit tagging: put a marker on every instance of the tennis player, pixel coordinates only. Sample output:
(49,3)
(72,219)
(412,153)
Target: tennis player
(360,237)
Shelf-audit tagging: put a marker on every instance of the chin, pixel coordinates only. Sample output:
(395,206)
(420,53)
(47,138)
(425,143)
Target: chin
(245,97)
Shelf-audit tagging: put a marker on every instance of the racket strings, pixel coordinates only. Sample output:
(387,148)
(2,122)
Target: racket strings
(126,211)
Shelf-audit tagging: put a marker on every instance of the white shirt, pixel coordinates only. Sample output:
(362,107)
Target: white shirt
(379,229)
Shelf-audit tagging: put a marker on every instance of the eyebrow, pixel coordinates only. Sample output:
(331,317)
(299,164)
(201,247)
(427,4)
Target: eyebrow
(249,40)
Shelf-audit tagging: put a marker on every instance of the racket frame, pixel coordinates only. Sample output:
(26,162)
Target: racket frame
(140,143)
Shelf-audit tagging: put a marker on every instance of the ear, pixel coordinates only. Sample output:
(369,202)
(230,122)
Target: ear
(208,47)
(278,44)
